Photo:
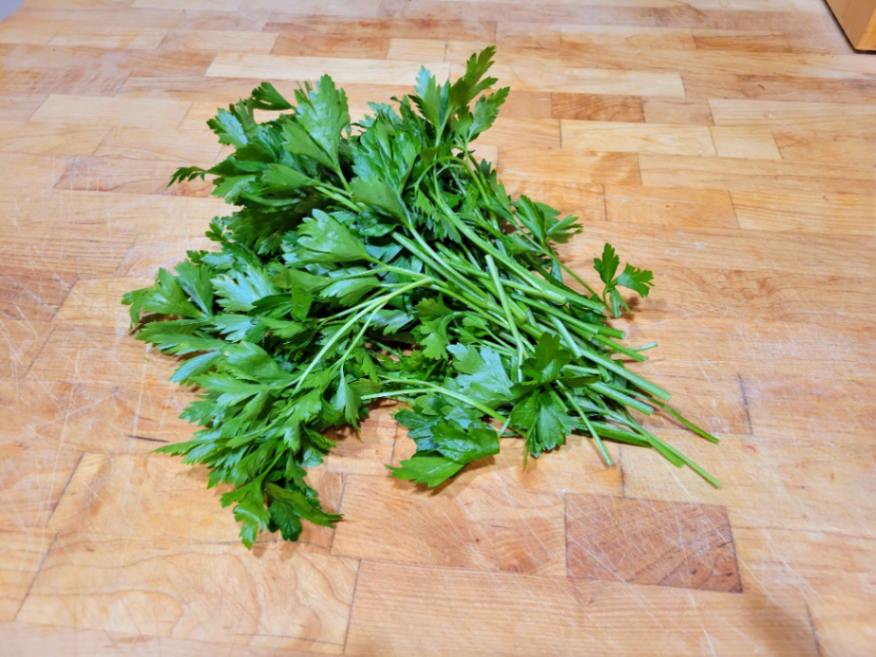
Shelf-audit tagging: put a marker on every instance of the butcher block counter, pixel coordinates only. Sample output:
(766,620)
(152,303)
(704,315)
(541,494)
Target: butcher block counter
(726,144)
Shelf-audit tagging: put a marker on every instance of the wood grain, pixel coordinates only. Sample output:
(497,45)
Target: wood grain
(251,599)
(23,554)
(637,138)
(281,67)
(728,145)
(111,111)
(651,542)
(585,616)
(745,142)
(669,206)
(33,478)
(588,107)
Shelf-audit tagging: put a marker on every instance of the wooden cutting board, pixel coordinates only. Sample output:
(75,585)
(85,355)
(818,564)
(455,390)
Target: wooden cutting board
(726,144)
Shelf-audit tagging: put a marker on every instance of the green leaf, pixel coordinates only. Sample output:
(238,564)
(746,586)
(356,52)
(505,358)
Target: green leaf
(179,337)
(265,96)
(325,239)
(236,327)
(392,320)
(485,112)
(543,419)
(432,332)
(166,297)
(283,328)
(287,521)
(346,401)
(228,128)
(298,141)
(547,361)
(638,280)
(377,193)
(195,281)
(249,510)
(430,471)
(240,289)
(322,112)
(473,82)
(279,177)
(183,174)
(299,279)
(253,362)
(434,339)
(633,278)
(306,507)
(302,299)
(231,188)
(348,291)
(431,99)
(607,265)
(194,366)
(229,389)
(483,376)
(464,445)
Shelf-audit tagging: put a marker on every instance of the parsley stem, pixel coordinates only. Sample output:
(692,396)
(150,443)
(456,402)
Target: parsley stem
(585,329)
(332,193)
(600,446)
(687,423)
(343,179)
(578,278)
(564,333)
(613,433)
(632,377)
(341,332)
(613,393)
(632,353)
(503,299)
(431,258)
(474,271)
(425,386)
(470,296)
(569,295)
(485,311)
(676,456)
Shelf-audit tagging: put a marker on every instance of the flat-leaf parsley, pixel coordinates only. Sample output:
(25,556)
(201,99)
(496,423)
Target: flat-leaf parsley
(383,260)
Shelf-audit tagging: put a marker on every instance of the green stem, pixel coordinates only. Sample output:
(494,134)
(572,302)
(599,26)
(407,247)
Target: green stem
(333,194)
(676,456)
(602,450)
(567,338)
(613,433)
(687,423)
(503,299)
(621,398)
(574,274)
(629,351)
(425,386)
(380,301)
(620,370)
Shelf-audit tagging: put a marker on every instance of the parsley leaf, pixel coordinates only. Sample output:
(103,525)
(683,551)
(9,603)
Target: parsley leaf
(430,471)
(633,278)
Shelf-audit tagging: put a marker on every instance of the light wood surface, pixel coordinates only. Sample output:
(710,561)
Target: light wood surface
(726,144)
(858,20)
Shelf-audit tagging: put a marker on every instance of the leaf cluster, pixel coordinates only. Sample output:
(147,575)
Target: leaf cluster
(383,260)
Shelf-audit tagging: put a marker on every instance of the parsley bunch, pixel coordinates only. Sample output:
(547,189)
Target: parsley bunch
(383,260)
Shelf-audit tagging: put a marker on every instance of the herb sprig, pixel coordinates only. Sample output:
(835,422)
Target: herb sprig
(383,260)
